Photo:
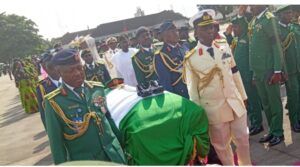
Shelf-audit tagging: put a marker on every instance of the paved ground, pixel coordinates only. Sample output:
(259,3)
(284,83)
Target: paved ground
(24,142)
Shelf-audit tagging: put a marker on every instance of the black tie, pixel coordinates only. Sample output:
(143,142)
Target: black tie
(79,92)
(211,52)
(91,66)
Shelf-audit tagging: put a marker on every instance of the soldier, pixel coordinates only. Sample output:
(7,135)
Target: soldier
(265,56)
(76,120)
(214,82)
(292,64)
(241,56)
(185,39)
(47,85)
(94,71)
(142,61)
(168,61)
(109,54)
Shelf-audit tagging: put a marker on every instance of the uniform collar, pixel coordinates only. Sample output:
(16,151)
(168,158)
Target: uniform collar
(262,13)
(88,65)
(71,87)
(55,82)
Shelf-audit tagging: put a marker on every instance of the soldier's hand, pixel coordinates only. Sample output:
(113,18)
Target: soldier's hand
(276,78)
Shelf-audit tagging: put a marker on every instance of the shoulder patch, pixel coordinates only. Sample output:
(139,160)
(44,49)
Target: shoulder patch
(52,94)
(269,15)
(190,53)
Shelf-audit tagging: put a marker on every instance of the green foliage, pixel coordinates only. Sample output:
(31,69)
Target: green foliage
(19,37)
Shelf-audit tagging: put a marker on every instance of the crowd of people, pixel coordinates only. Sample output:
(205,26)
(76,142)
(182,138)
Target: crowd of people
(169,98)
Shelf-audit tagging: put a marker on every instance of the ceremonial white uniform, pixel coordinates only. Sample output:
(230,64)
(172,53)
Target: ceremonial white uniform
(123,65)
(216,85)
(107,57)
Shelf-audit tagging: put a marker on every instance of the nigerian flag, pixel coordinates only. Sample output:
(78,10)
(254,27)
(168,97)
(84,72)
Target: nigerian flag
(162,129)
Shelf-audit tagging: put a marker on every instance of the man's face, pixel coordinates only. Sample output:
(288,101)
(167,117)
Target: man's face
(236,30)
(124,44)
(184,34)
(51,70)
(171,36)
(257,9)
(112,45)
(144,39)
(88,58)
(205,34)
(73,75)
(286,16)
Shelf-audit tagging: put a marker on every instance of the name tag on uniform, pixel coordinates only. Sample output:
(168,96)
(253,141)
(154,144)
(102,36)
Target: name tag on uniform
(73,106)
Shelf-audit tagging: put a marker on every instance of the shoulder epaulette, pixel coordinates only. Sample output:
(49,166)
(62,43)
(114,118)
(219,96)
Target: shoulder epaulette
(91,84)
(41,81)
(157,52)
(190,53)
(219,41)
(135,54)
(269,15)
(100,61)
(52,94)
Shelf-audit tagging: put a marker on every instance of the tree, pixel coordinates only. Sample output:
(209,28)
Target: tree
(139,12)
(223,9)
(19,37)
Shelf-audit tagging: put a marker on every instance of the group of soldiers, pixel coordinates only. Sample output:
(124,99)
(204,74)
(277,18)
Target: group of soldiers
(114,107)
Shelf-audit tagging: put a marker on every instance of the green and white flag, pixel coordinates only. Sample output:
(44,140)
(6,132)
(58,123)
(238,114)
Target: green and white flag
(160,129)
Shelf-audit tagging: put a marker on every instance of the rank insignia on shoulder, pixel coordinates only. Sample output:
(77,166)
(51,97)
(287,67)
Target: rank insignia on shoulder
(269,15)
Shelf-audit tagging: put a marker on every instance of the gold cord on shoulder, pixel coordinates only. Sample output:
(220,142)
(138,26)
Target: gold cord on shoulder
(79,127)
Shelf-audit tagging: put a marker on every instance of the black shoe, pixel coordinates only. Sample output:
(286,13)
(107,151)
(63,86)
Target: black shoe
(296,127)
(155,87)
(276,140)
(266,138)
(256,130)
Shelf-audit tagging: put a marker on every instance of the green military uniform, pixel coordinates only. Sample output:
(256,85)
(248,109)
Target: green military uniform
(78,127)
(97,72)
(142,63)
(241,56)
(265,59)
(289,34)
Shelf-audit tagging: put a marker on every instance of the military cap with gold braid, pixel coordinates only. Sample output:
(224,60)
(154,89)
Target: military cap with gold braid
(203,18)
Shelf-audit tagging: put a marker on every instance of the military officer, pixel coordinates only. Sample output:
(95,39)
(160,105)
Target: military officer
(292,64)
(77,125)
(94,71)
(47,85)
(265,56)
(241,56)
(214,82)
(168,61)
(112,43)
(142,61)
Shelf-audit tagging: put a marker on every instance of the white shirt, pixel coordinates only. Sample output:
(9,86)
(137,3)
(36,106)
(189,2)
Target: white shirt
(72,89)
(124,68)
(56,82)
